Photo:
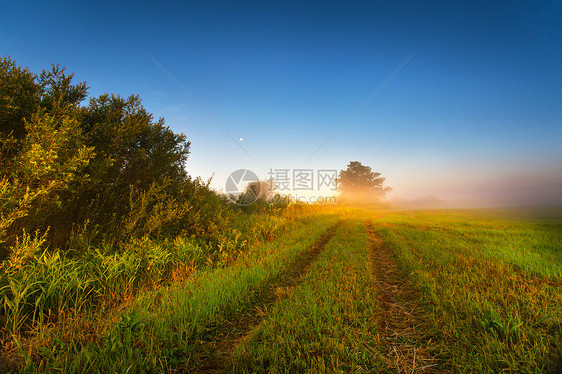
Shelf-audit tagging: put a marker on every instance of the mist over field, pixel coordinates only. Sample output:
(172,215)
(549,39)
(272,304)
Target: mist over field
(501,194)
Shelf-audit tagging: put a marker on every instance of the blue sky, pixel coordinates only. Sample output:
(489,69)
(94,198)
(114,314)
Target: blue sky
(476,110)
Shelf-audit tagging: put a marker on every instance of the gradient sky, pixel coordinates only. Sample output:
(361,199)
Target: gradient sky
(474,115)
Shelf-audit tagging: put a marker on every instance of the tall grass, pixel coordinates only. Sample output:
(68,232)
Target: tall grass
(161,330)
(37,282)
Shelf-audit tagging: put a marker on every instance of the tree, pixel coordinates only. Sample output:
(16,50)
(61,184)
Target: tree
(58,93)
(132,153)
(358,183)
(259,191)
(64,166)
(19,98)
(132,149)
(43,155)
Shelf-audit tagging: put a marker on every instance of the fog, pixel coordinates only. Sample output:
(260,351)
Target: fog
(508,193)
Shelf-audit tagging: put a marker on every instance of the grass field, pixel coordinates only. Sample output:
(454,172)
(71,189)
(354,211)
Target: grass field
(351,291)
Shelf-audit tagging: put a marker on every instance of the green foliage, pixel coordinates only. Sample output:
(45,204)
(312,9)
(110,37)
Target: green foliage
(131,149)
(43,153)
(103,189)
(106,172)
(19,98)
(163,330)
(36,282)
(492,323)
(14,205)
(58,93)
(46,170)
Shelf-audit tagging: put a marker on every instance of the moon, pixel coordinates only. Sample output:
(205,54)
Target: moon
(241,139)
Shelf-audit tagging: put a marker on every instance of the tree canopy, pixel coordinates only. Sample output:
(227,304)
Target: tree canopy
(359,184)
(106,168)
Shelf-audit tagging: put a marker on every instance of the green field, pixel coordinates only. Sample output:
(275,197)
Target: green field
(334,290)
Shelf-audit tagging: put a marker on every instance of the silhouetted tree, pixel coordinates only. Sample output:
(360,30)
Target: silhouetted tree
(358,183)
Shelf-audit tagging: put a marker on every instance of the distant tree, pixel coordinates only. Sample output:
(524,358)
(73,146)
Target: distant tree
(358,183)
(256,192)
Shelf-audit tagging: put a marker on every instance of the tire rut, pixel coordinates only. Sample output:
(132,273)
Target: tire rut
(400,319)
(219,346)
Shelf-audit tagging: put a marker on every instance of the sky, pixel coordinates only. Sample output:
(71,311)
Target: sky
(452,102)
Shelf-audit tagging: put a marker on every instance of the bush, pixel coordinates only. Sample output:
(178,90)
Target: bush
(102,173)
